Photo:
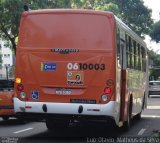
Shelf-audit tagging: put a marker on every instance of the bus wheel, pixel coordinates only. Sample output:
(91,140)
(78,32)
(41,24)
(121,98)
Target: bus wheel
(138,116)
(127,124)
(21,120)
(58,126)
(5,118)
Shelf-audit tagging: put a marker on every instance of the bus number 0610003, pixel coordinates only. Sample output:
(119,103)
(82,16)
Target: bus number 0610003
(84,66)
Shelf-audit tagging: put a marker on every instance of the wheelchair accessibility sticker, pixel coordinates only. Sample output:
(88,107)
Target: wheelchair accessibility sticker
(35,95)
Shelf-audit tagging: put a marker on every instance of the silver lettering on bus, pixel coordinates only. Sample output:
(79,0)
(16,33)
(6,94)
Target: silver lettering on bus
(58,50)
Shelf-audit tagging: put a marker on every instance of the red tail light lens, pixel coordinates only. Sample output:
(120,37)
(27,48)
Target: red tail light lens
(107,90)
(20,87)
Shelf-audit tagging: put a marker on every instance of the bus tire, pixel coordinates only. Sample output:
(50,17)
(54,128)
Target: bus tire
(21,120)
(143,104)
(127,124)
(138,116)
(57,126)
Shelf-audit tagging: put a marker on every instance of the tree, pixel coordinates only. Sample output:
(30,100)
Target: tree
(105,5)
(155,32)
(135,15)
(48,4)
(9,20)
(155,58)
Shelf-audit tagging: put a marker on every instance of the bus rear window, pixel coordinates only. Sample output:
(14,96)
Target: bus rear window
(66,31)
(6,84)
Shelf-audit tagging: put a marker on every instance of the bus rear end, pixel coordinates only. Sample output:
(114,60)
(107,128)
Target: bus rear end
(6,93)
(66,66)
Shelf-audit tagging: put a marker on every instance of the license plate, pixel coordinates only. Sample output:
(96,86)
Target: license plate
(63,91)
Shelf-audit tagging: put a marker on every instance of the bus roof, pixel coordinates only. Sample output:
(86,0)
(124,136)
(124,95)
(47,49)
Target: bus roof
(61,11)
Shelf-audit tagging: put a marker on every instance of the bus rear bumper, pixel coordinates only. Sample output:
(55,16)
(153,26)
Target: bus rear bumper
(43,110)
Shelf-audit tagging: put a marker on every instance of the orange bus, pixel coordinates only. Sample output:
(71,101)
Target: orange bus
(6,95)
(81,65)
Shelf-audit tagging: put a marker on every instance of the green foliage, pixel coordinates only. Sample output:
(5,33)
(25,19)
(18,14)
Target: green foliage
(105,5)
(109,7)
(10,12)
(135,15)
(155,32)
(154,74)
(48,4)
(155,58)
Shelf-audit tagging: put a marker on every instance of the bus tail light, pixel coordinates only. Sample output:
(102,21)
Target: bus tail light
(107,94)
(109,82)
(104,98)
(20,87)
(108,91)
(18,80)
(23,95)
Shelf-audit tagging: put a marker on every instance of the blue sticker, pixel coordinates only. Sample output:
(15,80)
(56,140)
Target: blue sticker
(48,66)
(35,95)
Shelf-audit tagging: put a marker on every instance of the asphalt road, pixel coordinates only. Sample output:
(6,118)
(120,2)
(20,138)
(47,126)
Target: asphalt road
(12,131)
